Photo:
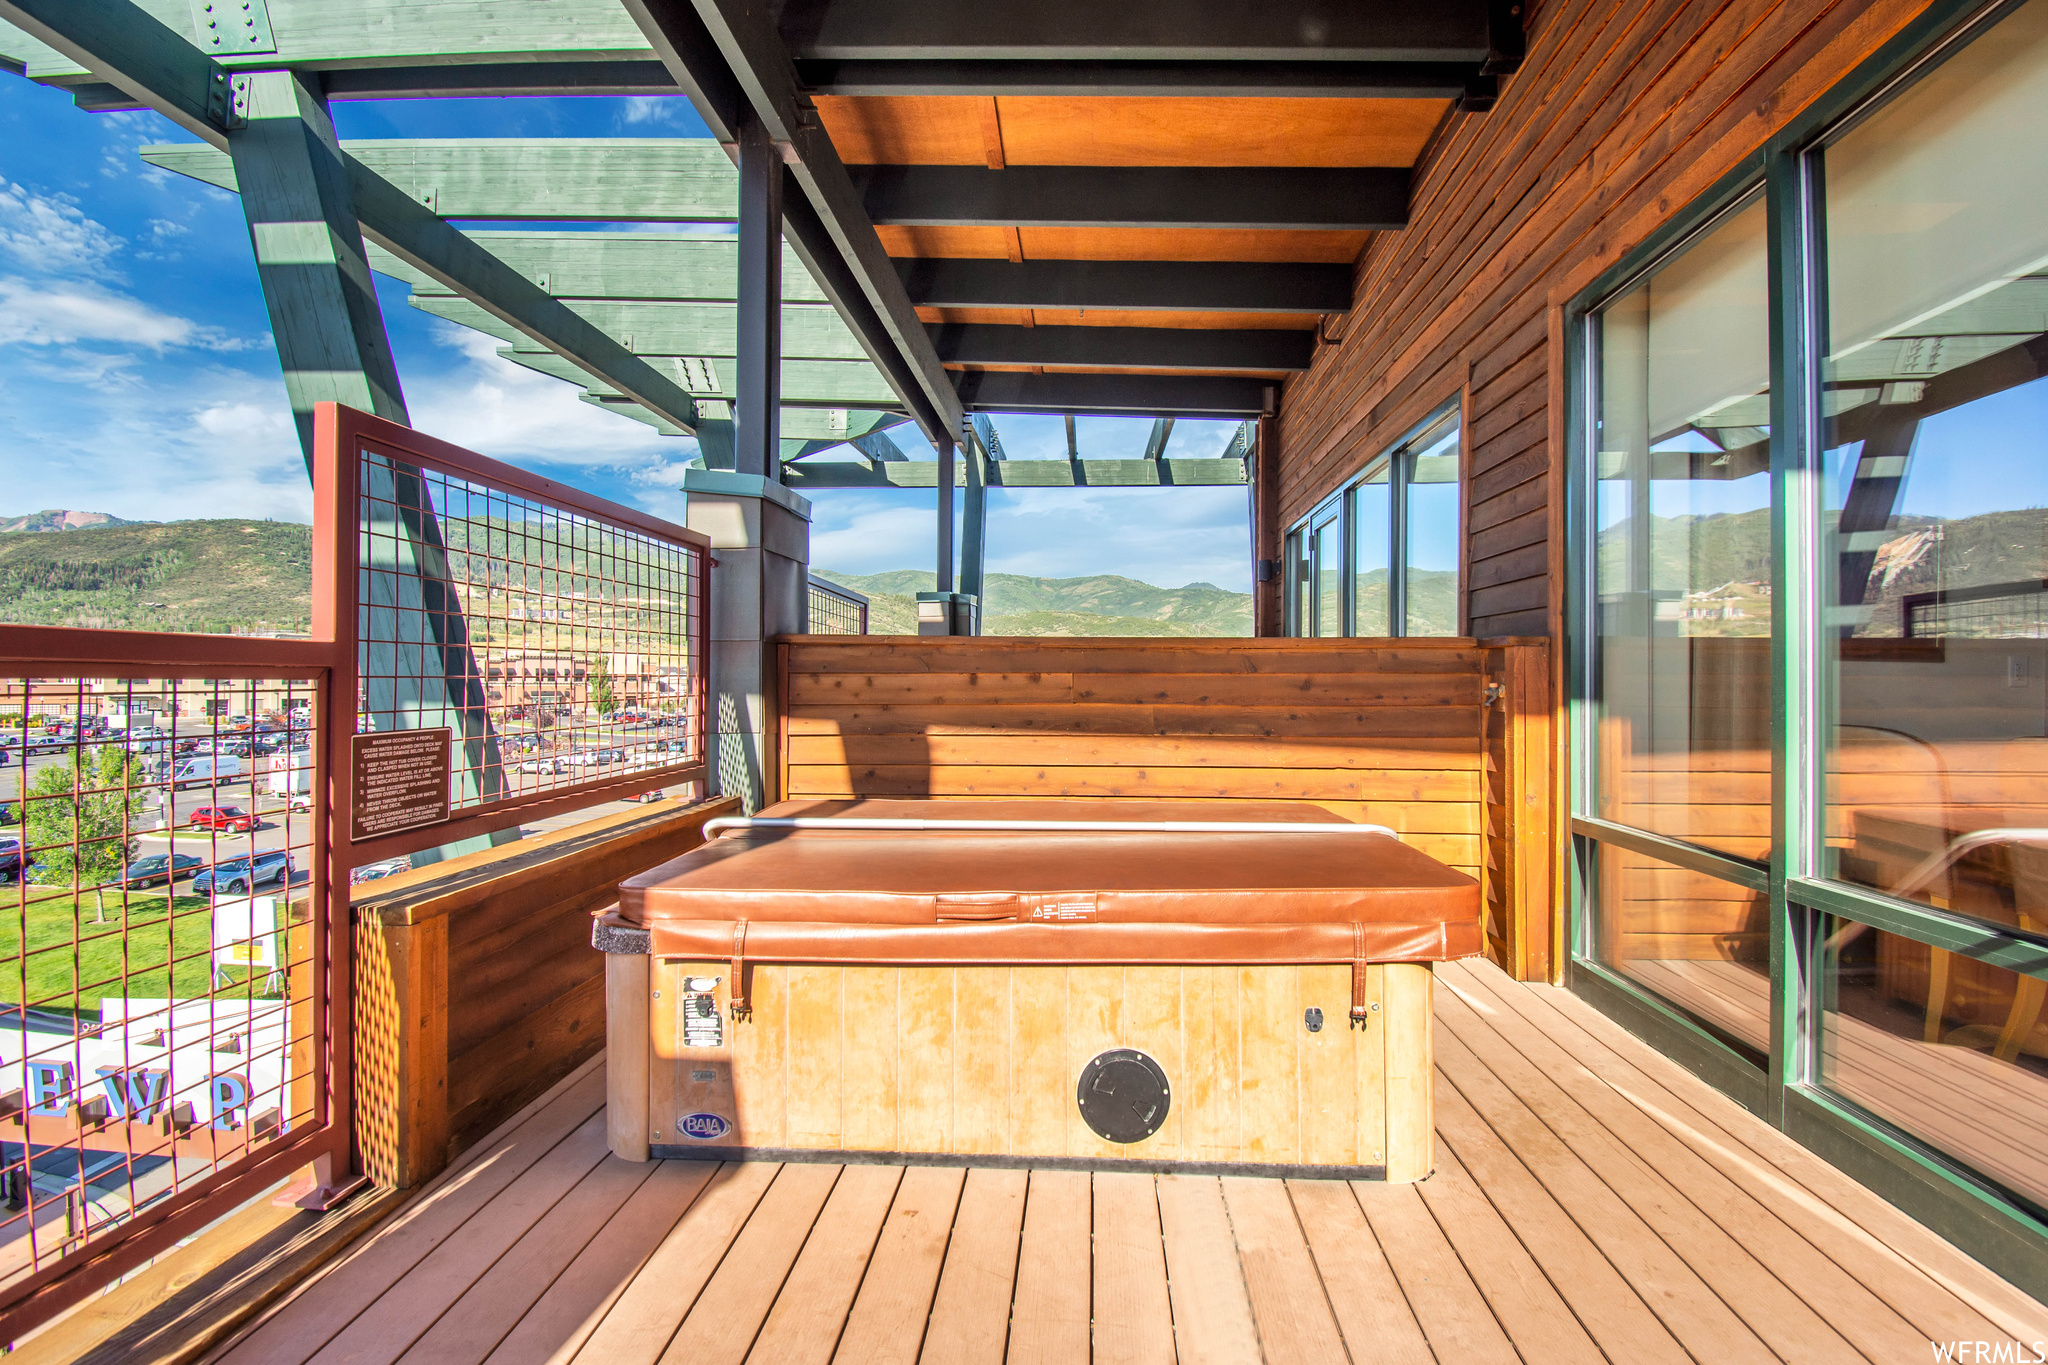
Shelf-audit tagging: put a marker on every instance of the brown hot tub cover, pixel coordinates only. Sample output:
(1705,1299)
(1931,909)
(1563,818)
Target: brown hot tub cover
(956,897)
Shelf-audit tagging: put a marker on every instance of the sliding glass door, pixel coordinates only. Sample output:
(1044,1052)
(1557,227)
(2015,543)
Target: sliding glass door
(1809,615)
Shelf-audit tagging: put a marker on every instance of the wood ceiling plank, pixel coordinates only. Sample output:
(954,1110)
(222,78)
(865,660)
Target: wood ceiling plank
(1216,132)
(1031,130)
(906,130)
(1125,244)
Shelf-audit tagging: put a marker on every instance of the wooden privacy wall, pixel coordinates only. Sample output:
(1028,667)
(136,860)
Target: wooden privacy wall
(476,985)
(1396,732)
(1623,112)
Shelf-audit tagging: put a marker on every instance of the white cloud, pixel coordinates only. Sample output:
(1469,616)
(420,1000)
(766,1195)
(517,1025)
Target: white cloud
(873,533)
(62,312)
(50,234)
(509,412)
(657,110)
(212,442)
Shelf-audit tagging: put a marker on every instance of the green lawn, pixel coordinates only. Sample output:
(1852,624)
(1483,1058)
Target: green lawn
(61,977)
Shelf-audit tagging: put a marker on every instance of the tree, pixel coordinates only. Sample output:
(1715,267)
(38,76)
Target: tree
(601,693)
(77,818)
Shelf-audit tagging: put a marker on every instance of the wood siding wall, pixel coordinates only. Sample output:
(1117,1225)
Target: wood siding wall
(1399,733)
(1622,113)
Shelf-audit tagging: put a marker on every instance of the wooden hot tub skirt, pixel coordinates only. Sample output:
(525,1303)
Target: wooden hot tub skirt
(983,1063)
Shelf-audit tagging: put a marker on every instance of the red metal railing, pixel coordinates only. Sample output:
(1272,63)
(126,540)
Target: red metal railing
(175,1038)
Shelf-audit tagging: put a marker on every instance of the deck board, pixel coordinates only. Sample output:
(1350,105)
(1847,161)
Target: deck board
(1592,1200)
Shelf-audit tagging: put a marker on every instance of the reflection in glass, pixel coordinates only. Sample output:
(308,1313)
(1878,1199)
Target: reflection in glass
(1684,545)
(1698,942)
(1936,477)
(1948,1048)
(1329,580)
(1374,502)
(1431,537)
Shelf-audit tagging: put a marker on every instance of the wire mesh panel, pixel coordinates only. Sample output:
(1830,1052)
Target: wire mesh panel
(560,648)
(160,949)
(836,611)
(2001,611)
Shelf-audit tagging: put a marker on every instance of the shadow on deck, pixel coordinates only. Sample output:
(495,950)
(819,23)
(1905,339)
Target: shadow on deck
(1591,1201)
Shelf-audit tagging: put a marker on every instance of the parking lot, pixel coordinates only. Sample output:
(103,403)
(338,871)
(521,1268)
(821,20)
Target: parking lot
(162,822)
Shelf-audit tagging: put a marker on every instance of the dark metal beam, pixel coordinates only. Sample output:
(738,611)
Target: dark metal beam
(1140,30)
(435,81)
(1209,79)
(1189,286)
(718,47)
(1137,395)
(1125,348)
(757,390)
(1371,198)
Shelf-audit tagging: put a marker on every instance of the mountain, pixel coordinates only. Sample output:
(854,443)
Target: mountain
(1102,604)
(210,576)
(58,519)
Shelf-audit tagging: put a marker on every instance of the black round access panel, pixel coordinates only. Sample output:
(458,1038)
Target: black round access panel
(1123,1095)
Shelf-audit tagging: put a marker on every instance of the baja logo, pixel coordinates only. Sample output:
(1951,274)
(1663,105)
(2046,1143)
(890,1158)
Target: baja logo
(703,1127)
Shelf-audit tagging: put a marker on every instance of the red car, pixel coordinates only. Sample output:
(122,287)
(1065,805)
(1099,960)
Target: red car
(223,817)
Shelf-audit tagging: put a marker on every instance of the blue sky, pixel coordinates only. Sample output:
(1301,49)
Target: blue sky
(138,378)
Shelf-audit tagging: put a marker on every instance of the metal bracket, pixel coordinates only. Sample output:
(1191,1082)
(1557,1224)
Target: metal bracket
(223,28)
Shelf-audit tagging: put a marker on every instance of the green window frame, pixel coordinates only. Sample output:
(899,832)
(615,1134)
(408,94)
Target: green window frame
(1783,1082)
(1392,470)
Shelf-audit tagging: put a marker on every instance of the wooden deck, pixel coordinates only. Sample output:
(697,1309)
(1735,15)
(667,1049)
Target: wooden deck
(1591,1200)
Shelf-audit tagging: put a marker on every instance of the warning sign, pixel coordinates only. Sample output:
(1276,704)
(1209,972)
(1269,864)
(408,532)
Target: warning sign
(401,781)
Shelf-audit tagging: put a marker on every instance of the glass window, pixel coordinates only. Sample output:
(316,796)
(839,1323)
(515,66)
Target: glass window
(1430,539)
(1935,481)
(1371,573)
(1329,552)
(1701,943)
(1948,1048)
(1683,545)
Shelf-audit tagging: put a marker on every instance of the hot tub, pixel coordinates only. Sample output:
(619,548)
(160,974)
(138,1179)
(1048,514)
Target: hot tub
(1182,999)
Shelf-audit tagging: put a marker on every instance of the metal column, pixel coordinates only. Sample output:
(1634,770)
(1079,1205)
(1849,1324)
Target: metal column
(758,391)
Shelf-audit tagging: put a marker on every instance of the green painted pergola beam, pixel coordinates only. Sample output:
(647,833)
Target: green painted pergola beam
(1019,474)
(590,180)
(673,266)
(347,35)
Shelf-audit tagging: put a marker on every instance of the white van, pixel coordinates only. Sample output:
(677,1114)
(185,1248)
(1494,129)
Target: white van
(205,769)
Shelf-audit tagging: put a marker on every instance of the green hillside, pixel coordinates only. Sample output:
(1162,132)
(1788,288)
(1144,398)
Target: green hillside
(210,576)
(1102,604)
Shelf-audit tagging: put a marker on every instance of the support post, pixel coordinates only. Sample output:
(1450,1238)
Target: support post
(758,392)
(974,535)
(945,574)
(417,666)
(760,533)
(309,254)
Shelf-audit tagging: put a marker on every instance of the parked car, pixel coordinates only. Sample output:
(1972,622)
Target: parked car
(543,765)
(10,860)
(299,801)
(232,818)
(8,814)
(375,872)
(206,769)
(243,875)
(159,869)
